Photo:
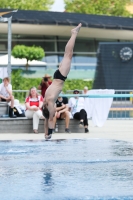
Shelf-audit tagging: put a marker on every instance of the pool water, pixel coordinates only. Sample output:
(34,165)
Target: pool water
(66,170)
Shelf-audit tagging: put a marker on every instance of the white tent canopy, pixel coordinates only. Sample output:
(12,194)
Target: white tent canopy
(3,72)
(19,62)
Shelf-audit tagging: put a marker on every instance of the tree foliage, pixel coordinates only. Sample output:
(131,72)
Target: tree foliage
(27,4)
(99,7)
(30,53)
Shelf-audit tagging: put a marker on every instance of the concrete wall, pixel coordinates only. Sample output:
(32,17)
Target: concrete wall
(24,125)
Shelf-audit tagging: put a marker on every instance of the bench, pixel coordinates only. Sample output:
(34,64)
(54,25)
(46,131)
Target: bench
(3,108)
(24,125)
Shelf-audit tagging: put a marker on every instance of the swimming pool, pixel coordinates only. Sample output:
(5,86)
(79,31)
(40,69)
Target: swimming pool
(66,170)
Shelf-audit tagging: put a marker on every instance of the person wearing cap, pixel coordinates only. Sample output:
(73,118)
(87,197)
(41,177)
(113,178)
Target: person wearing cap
(6,95)
(77,108)
(45,83)
(55,88)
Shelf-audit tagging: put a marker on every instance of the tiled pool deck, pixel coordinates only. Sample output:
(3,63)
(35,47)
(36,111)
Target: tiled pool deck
(112,129)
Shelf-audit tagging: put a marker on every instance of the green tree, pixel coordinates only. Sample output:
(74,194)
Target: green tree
(30,53)
(27,4)
(98,7)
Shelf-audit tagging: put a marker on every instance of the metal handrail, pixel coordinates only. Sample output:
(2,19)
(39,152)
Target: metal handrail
(122,105)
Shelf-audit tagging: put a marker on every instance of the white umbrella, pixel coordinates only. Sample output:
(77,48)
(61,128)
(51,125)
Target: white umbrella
(19,62)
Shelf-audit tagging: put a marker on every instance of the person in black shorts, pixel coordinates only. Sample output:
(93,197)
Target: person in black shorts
(62,112)
(55,88)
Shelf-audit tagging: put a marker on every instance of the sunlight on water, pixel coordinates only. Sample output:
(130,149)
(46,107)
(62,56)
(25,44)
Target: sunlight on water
(66,170)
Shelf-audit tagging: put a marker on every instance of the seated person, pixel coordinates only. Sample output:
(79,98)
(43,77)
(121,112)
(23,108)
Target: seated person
(76,106)
(62,112)
(33,105)
(6,95)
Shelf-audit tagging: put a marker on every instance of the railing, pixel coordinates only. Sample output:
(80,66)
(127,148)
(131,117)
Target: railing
(121,108)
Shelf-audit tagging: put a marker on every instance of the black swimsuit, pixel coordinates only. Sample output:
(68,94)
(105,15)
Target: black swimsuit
(58,75)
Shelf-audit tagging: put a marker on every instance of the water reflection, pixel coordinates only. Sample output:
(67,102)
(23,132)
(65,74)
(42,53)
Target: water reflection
(121,148)
(122,174)
(48,182)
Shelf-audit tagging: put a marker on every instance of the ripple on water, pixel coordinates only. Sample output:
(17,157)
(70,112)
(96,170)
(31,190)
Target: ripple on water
(66,169)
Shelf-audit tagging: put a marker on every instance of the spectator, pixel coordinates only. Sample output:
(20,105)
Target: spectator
(33,105)
(87,106)
(76,106)
(85,90)
(46,82)
(62,112)
(6,95)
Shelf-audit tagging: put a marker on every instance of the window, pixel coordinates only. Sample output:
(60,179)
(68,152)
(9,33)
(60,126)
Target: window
(84,46)
(47,46)
(3,46)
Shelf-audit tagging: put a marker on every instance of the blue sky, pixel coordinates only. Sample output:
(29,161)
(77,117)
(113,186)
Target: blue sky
(58,6)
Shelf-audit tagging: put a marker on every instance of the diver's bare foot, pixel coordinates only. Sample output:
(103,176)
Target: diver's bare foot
(76,30)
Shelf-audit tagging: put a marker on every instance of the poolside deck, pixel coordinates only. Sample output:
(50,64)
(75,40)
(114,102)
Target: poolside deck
(121,129)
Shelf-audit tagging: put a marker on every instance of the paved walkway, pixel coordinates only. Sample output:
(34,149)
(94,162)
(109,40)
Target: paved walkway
(112,129)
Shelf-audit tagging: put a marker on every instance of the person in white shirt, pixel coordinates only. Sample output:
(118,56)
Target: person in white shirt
(76,106)
(6,95)
(85,90)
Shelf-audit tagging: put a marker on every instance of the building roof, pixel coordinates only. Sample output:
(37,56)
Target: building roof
(60,24)
(64,18)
